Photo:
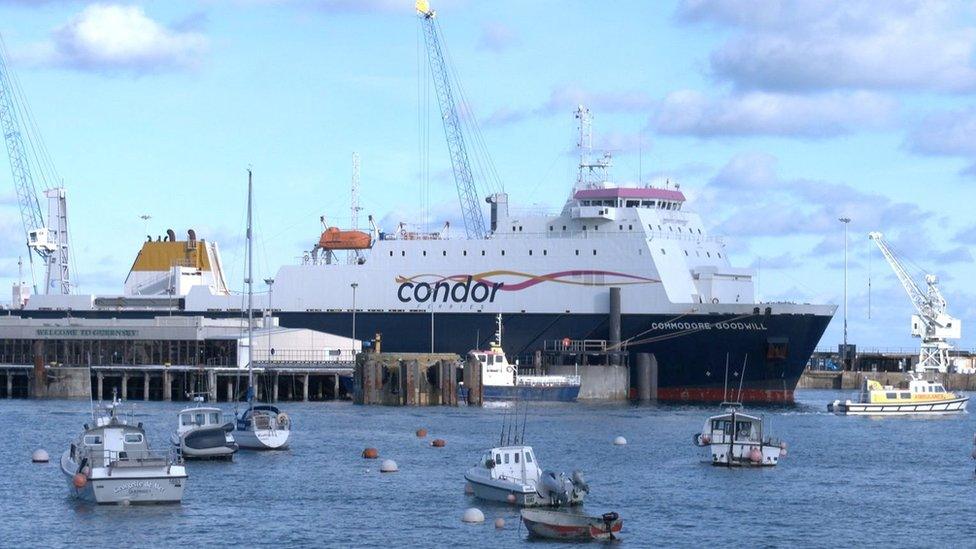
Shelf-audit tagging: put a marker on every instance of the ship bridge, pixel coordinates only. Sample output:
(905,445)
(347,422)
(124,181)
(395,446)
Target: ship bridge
(631,197)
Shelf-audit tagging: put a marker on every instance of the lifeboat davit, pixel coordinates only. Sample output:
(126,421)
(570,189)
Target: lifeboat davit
(335,238)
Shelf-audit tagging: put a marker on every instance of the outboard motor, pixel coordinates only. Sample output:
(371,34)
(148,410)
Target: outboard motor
(556,488)
(579,483)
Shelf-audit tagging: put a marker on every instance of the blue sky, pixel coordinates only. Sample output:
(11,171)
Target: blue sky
(775,116)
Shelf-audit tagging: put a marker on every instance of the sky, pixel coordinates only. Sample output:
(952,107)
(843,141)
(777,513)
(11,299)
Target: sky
(776,118)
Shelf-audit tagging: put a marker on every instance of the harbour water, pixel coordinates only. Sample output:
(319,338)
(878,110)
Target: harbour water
(847,481)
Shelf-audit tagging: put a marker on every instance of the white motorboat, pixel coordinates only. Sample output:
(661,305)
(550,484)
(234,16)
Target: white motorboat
(921,396)
(511,474)
(110,462)
(258,427)
(202,433)
(736,439)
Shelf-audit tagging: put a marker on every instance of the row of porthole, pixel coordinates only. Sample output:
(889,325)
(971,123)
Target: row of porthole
(465,253)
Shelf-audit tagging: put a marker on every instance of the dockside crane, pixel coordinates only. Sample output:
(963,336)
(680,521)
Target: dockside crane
(931,323)
(49,242)
(474,222)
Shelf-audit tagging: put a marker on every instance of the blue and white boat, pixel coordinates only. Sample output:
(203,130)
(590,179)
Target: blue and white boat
(501,379)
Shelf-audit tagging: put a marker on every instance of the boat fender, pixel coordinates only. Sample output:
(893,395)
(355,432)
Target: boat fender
(283,420)
(579,482)
(509,369)
(79,481)
(714,300)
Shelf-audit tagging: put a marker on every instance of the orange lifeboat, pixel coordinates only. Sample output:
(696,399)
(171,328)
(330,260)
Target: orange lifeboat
(334,238)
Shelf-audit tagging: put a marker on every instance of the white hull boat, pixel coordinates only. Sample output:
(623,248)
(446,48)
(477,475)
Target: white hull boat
(510,474)
(202,434)
(263,427)
(920,397)
(110,463)
(735,439)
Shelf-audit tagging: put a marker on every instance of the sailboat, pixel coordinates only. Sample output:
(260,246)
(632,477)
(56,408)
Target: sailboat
(259,426)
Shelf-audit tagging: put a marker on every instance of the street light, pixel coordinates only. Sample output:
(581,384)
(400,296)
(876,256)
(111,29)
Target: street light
(270,321)
(846,221)
(354,285)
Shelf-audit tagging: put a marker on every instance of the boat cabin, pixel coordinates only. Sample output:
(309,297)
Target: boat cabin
(733,427)
(111,442)
(193,418)
(496,371)
(918,390)
(513,463)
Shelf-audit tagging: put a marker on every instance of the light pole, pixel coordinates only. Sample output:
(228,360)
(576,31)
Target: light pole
(354,285)
(846,221)
(270,320)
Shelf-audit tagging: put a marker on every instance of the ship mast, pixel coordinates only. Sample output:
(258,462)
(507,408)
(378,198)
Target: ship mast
(250,293)
(592,173)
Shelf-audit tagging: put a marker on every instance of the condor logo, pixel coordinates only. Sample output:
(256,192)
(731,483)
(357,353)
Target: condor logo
(459,292)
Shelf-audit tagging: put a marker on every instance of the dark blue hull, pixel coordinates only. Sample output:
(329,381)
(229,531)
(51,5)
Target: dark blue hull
(562,393)
(691,349)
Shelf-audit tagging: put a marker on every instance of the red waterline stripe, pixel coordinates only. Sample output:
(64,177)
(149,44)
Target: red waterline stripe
(700,394)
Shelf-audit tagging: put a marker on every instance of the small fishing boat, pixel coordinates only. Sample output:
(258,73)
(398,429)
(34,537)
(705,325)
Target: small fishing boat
(203,434)
(735,439)
(570,526)
(920,396)
(511,474)
(110,462)
(501,380)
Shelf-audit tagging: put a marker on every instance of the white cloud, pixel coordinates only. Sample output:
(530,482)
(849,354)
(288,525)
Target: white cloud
(690,112)
(497,37)
(806,45)
(117,38)
(947,133)
(564,99)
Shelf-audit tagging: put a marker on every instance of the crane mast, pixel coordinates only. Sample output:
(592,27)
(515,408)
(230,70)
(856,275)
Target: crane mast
(474,223)
(931,323)
(48,242)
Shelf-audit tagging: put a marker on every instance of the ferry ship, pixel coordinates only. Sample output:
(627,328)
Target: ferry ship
(548,275)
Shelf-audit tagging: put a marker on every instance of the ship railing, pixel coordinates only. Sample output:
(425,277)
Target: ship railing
(576,345)
(547,381)
(910,351)
(286,357)
(597,234)
(130,458)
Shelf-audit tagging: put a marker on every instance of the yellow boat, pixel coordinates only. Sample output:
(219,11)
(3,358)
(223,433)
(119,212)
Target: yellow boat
(922,397)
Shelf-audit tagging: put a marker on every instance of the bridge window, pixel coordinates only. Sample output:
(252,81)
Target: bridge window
(444,253)
(530,252)
(544,252)
(482,252)
(425,253)
(594,252)
(403,253)
(516,457)
(391,253)
(506,458)
(663,252)
(577,252)
(503,252)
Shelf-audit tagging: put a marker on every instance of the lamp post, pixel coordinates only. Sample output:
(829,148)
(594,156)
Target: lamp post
(846,221)
(270,320)
(354,285)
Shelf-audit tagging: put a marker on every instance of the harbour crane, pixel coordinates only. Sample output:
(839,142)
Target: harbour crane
(931,323)
(48,241)
(474,222)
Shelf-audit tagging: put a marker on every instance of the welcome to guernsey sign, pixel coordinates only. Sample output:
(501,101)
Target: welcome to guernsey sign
(106,333)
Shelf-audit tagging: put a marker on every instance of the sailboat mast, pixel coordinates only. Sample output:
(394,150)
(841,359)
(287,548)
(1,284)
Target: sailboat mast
(250,292)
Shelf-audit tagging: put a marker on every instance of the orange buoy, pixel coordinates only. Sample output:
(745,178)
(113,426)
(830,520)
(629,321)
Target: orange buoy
(438,443)
(421,433)
(511,498)
(79,480)
(334,238)
(371,453)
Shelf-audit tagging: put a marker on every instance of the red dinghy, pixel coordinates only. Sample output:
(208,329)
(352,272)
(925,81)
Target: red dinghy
(562,525)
